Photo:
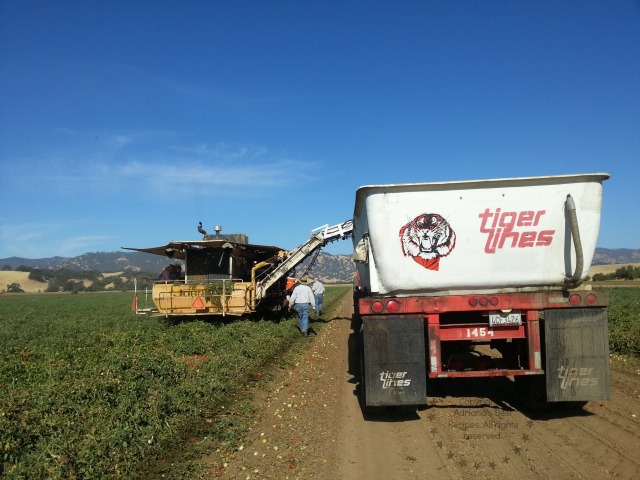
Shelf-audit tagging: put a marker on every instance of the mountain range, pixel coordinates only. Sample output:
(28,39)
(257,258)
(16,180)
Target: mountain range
(329,268)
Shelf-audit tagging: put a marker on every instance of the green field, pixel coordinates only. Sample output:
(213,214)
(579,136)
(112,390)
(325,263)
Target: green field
(624,320)
(90,390)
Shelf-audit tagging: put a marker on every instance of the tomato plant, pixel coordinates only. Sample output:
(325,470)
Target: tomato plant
(90,390)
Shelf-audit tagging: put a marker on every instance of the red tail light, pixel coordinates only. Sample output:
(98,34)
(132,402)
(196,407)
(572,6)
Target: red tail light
(393,306)
(484,302)
(377,307)
(575,299)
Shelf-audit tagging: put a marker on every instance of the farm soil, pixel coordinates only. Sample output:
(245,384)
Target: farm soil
(311,426)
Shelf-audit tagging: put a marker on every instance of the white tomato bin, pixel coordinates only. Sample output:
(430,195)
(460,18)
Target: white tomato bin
(479,235)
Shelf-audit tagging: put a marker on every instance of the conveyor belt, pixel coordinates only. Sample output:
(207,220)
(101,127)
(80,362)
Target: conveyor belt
(319,238)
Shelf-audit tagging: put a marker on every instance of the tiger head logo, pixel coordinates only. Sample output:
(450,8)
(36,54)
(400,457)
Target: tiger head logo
(426,239)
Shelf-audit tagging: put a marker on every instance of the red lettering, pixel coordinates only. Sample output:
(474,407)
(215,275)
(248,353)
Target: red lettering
(525,219)
(495,237)
(499,227)
(485,217)
(510,223)
(495,218)
(545,237)
(509,234)
(527,239)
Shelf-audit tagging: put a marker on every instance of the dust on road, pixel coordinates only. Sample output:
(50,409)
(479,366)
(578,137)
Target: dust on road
(312,427)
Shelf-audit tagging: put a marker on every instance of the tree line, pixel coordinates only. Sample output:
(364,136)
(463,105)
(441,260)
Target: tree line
(75,281)
(628,272)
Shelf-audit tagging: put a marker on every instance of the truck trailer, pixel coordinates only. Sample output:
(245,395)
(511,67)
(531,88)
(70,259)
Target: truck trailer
(480,278)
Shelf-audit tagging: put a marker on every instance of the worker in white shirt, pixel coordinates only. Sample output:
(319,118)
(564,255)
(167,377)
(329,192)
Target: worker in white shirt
(318,291)
(303,300)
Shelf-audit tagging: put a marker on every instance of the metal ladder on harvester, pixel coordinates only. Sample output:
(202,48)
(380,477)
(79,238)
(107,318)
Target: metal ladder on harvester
(319,238)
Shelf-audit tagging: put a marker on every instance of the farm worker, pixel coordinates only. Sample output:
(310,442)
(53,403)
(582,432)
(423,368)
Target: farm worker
(177,271)
(303,300)
(170,272)
(318,292)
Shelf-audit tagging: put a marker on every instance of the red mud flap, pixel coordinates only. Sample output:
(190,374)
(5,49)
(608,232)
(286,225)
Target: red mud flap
(393,360)
(577,354)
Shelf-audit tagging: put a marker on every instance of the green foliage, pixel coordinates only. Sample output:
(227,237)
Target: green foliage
(14,288)
(628,272)
(66,280)
(213,291)
(624,320)
(62,285)
(90,390)
(38,275)
(124,282)
(63,279)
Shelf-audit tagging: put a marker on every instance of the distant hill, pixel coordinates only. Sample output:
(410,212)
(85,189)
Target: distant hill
(99,261)
(606,256)
(329,268)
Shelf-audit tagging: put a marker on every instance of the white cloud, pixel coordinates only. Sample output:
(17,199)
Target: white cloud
(186,175)
(22,240)
(38,240)
(223,151)
(70,246)
(153,163)
(20,234)
(120,140)
(201,169)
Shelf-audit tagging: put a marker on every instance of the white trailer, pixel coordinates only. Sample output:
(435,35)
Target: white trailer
(477,279)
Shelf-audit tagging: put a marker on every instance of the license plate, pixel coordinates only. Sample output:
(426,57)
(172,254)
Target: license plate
(502,319)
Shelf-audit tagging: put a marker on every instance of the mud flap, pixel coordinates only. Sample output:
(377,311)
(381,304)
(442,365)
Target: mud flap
(394,361)
(577,354)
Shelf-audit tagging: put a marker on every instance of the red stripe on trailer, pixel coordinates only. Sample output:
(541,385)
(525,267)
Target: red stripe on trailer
(533,335)
(479,331)
(484,373)
(481,302)
(435,363)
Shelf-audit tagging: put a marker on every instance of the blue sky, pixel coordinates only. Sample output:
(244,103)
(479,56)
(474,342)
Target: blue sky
(125,123)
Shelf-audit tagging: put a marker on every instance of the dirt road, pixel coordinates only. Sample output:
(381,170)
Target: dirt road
(312,426)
